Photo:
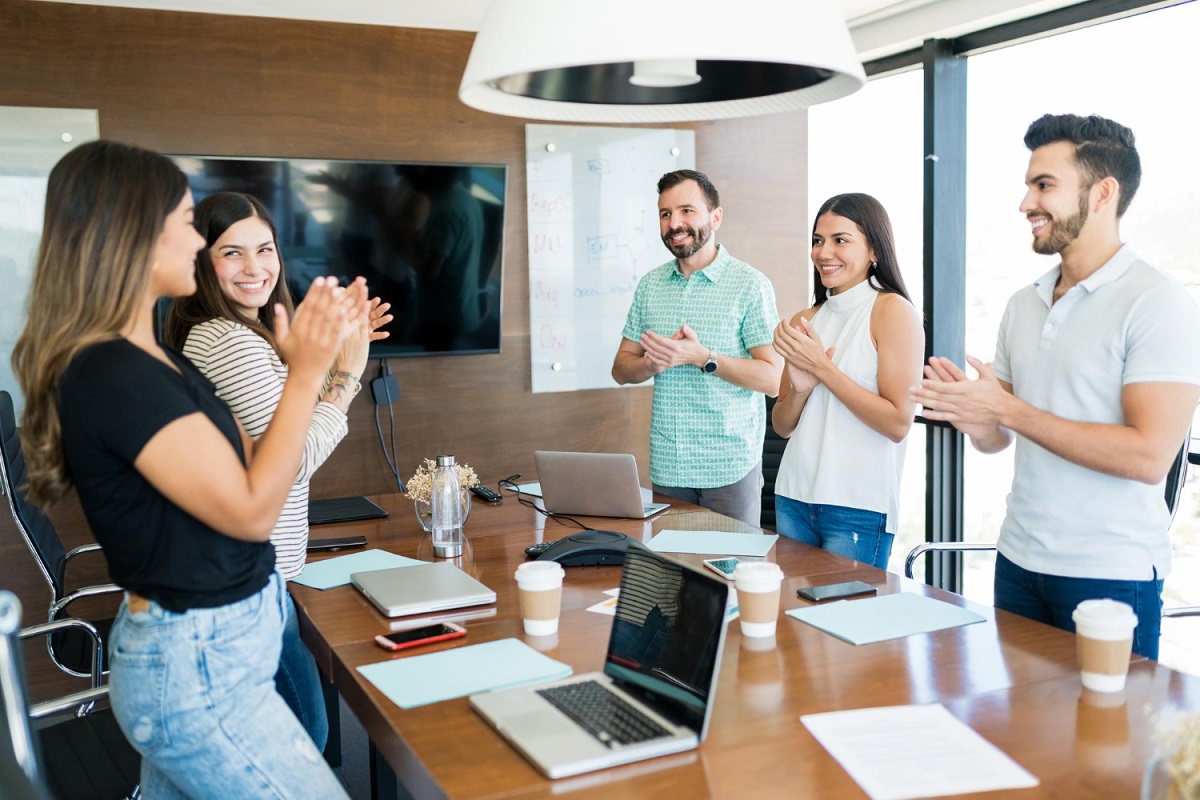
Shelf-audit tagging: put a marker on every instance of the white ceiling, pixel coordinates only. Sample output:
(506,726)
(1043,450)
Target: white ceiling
(879,27)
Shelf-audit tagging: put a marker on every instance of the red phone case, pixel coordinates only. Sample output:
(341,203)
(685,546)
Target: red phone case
(379,640)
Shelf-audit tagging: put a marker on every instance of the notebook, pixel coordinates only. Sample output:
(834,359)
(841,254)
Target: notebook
(342,509)
(655,695)
(421,589)
(592,484)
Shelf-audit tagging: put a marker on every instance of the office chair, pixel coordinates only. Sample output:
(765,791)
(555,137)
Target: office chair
(78,752)
(773,446)
(69,650)
(1173,492)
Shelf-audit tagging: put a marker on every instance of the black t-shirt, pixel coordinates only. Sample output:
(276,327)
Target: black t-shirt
(114,398)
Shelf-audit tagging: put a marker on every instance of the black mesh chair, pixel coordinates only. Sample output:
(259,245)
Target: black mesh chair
(773,445)
(1173,492)
(69,649)
(75,751)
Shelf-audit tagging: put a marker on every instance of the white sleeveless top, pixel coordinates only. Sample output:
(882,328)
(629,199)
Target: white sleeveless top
(833,458)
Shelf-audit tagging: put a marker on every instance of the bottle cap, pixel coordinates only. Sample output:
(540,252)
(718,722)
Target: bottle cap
(445,461)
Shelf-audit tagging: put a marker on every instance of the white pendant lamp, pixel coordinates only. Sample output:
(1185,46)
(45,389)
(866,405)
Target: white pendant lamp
(623,61)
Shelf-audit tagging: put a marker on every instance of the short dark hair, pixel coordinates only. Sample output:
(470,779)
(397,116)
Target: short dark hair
(673,179)
(1103,148)
(216,214)
(872,219)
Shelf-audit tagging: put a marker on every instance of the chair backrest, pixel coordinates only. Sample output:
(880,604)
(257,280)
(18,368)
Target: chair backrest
(773,446)
(1177,475)
(18,745)
(31,521)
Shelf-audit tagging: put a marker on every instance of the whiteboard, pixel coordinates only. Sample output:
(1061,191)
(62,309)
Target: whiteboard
(593,234)
(32,140)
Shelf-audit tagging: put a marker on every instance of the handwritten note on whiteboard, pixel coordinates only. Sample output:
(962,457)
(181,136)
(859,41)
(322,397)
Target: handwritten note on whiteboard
(593,234)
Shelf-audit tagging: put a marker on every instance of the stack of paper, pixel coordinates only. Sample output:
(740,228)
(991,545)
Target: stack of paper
(420,680)
(337,571)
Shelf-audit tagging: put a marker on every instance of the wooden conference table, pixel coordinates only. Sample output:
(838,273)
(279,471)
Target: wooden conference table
(1013,681)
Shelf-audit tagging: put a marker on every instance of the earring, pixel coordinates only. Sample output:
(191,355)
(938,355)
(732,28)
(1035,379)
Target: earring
(874,265)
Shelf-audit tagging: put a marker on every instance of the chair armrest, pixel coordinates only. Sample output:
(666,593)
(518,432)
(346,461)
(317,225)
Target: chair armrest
(1182,611)
(941,547)
(68,702)
(47,628)
(83,548)
(87,591)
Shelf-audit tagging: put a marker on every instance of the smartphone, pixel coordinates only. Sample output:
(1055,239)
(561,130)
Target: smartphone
(414,637)
(723,566)
(832,591)
(336,543)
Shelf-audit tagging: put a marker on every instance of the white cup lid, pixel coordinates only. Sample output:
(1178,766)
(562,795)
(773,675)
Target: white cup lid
(757,574)
(1105,613)
(540,574)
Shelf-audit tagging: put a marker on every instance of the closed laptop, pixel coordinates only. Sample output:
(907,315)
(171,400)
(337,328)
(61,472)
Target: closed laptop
(421,589)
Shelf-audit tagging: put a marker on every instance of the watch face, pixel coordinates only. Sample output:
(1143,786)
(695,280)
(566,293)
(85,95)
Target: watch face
(710,365)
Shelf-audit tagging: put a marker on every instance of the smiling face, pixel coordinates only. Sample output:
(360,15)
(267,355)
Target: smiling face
(684,220)
(174,270)
(246,262)
(840,252)
(1056,202)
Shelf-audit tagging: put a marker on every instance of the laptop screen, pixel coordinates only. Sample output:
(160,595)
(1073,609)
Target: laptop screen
(667,635)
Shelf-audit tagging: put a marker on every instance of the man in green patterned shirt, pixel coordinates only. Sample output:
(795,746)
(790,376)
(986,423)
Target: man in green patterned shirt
(701,325)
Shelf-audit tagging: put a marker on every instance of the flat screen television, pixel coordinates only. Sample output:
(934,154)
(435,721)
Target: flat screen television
(427,237)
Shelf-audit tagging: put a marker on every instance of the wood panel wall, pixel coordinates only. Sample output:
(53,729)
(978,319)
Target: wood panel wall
(246,86)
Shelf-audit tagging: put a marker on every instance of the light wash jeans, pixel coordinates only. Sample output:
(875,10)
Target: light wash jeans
(195,695)
(851,532)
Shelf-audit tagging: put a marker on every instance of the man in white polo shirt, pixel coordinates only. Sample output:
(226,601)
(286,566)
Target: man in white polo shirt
(702,326)
(1097,372)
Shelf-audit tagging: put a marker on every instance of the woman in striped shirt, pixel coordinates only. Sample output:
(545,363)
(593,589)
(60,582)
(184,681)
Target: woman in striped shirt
(228,331)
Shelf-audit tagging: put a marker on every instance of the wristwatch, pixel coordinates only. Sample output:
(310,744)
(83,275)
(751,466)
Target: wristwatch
(710,366)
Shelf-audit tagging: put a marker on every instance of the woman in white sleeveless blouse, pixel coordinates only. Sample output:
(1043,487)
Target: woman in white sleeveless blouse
(844,396)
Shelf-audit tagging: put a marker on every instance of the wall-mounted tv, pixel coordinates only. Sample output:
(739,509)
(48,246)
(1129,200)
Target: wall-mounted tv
(427,237)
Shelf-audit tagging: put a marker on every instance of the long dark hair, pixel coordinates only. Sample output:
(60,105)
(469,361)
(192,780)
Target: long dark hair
(106,204)
(215,214)
(869,215)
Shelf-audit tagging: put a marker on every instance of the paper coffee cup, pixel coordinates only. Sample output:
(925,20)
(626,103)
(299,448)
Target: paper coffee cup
(757,584)
(539,587)
(1104,640)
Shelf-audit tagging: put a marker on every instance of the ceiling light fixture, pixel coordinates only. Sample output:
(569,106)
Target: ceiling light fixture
(624,61)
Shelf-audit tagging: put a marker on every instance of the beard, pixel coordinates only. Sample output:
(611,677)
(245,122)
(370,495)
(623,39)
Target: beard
(699,236)
(1063,232)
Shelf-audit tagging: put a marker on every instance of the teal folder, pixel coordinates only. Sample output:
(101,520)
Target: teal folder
(421,680)
(337,571)
(889,616)
(713,543)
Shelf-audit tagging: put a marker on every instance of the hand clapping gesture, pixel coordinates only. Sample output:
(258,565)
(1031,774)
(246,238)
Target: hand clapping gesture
(803,353)
(313,337)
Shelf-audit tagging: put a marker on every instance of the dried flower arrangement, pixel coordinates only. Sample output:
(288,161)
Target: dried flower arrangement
(1177,751)
(420,484)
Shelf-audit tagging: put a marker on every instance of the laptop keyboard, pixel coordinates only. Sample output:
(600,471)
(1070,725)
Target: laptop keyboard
(603,714)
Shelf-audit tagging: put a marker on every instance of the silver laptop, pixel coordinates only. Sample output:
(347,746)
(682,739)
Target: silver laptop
(421,589)
(593,484)
(656,693)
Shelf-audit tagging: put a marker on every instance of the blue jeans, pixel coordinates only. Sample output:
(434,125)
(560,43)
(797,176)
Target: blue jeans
(298,681)
(850,532)
(195,695)
(1052,598)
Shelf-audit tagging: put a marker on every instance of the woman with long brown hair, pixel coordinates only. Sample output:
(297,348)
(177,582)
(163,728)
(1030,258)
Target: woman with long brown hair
(176,492)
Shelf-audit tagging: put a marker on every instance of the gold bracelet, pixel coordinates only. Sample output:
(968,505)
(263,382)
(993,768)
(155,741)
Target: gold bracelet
(347,381)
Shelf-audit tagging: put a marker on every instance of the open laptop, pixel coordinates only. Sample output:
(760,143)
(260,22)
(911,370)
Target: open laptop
(593,484)
(656,693)
(421,589)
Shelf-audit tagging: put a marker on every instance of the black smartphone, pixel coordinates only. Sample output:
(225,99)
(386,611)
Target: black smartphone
(426,634)
(833,591)
(337,543)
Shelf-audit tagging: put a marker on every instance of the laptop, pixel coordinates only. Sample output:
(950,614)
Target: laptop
(593,484)
(421,589)
(655,695)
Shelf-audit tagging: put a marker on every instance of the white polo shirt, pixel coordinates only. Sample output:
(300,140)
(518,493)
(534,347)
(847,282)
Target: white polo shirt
(1127,323)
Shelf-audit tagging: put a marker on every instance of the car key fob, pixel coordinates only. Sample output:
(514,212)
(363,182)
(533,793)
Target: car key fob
(484,493)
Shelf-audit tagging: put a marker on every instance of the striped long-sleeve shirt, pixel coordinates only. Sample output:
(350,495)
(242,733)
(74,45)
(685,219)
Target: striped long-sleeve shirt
(249,377)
